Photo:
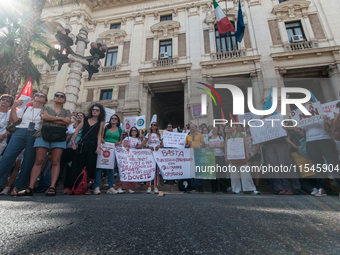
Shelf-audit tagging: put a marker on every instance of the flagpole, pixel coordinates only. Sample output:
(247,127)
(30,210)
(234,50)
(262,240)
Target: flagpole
(225,7)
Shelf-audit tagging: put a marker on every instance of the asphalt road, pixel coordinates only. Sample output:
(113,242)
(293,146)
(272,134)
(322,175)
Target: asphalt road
(176,223)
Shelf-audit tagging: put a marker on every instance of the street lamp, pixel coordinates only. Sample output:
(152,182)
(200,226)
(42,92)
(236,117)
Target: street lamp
(66,39)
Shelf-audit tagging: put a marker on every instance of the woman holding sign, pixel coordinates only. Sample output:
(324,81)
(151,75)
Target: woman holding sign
(130,142)
(112,133)
(238,157)
(154,141)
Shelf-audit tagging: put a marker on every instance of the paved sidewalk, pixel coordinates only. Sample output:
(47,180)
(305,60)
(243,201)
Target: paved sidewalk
(175,223)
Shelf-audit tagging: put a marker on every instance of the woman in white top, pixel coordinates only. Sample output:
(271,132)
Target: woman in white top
(154,141)
(6,101)
(320,147)
(22,139)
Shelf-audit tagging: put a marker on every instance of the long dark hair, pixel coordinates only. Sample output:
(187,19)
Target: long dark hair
(137,136)
(110,125)
(102,113)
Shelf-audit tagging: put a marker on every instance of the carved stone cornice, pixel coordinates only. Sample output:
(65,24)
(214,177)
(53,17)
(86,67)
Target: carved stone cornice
(291,9)
(166,28)
(113,36)
(139,17)
(193,9)
(332,69)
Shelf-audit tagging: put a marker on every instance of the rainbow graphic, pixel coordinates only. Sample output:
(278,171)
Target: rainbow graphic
(213,98)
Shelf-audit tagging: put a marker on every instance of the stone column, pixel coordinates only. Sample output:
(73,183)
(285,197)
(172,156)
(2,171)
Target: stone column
(327,90)
(308,31)
(186,100)
(334,75)
(256,91)
(75,73)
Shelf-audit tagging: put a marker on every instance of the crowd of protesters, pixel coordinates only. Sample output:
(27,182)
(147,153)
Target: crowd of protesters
(32,136)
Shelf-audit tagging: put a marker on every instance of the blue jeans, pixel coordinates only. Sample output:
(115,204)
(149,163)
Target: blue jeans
(199,182)
(110,177)
(21,139)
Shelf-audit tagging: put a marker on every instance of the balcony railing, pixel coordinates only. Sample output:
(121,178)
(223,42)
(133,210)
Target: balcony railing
(228,54)
(301,46)
(109,69)
(165,62)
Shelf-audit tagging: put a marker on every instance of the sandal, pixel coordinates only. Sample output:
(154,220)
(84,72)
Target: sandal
(26,193)
(50,192)
(282,192)
(88,192)
(14,192)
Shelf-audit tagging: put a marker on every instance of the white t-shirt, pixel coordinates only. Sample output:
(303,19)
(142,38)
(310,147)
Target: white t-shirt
(4,118)
(70,131)
(316,131)
(217,141)
(30,115)
(132,142)
(154,141)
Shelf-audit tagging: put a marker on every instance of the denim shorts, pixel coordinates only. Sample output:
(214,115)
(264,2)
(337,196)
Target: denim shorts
(40,142)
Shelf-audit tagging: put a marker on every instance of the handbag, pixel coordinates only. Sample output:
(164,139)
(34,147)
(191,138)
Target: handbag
(53,134)
(303,148)
(13,127)
(81,143)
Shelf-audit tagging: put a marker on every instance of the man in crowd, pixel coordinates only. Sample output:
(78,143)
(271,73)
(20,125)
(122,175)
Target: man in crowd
(195,140)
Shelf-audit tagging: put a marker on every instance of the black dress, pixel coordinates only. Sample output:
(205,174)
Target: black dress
(88,157)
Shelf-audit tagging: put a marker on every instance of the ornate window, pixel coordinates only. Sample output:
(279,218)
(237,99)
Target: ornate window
(294,28)
(166,46)
(225,42)
(115,26)
(111,57)
(166,17)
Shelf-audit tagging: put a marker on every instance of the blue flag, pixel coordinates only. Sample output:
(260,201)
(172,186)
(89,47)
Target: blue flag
(240,24)
(268,104)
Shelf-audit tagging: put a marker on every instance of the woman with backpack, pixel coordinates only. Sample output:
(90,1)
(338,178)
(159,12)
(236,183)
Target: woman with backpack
(154,141)
(89,144)
(112,133)
(130,142)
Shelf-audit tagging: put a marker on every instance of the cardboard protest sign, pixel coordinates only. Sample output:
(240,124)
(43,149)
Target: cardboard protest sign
(315,109)
(106,159)
(174,140)
(235,149)
(138,122)
(175,164)
(270,129)
(135,165)
(109,112)
(205,163)
(328,108)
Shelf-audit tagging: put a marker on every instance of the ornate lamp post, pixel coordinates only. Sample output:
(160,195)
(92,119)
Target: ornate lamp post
(77,61)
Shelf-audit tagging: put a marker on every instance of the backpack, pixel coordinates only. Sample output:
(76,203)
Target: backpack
(80,185)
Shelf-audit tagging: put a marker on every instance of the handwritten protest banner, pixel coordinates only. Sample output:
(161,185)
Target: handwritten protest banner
(268,129)
(328,108)
(135,165)
(174,140)
(315,109)
(106,159)
(235,149)
(205,163)
(175,164)
(138,122)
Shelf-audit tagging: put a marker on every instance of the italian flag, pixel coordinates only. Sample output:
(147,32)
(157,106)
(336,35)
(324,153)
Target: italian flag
(223,23)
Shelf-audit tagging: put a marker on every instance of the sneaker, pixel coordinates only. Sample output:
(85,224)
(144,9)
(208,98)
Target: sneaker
(130,191)
(148,191)
(321,193)
(315,190)
(111,191)
(96,191)
(120,191)
(165,182)
(175,182)
(156,191)
(255,192)
(6,191)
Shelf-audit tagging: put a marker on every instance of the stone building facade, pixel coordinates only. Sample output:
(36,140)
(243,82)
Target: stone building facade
(283,39)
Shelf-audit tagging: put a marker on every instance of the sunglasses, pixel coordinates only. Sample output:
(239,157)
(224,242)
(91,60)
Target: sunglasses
(58,95)
(6,100)
(114,118)
(133,130)
(154,125)
(96,110)
(169,126)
